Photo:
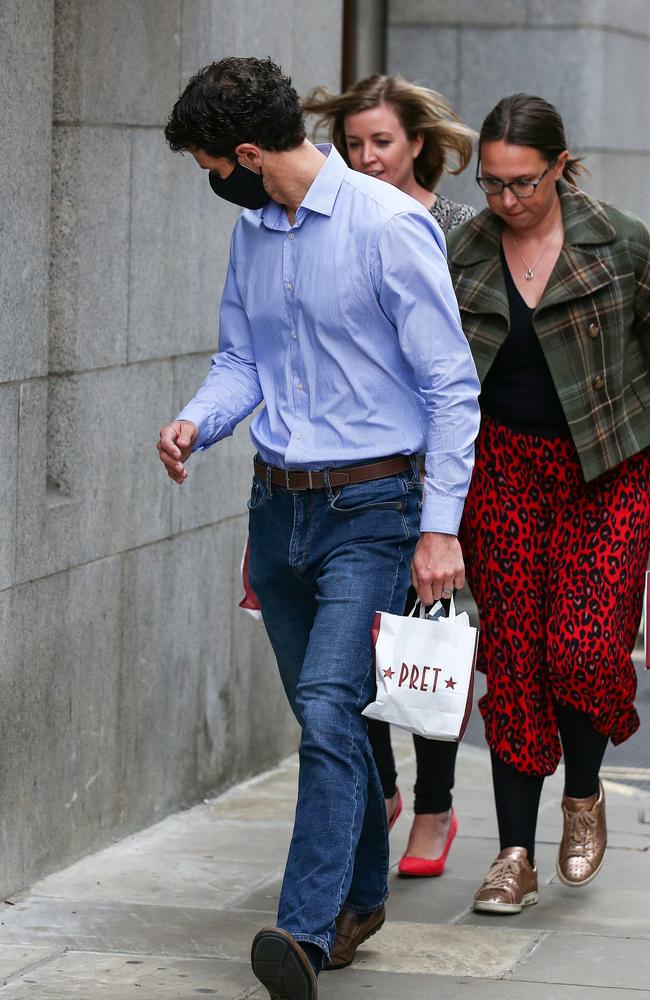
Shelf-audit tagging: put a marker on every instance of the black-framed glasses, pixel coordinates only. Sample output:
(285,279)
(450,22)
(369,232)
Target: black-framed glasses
(520,189)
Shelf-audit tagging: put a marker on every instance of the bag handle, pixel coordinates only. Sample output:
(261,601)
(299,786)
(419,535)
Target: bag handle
(422,611)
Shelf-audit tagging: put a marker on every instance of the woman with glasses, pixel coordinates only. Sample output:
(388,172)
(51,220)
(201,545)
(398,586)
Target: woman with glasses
(408,136)
(554,292)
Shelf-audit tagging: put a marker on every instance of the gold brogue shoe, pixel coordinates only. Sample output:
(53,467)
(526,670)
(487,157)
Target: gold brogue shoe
(510,884)
(584,839)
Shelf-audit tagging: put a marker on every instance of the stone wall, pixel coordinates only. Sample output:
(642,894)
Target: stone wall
(589,57)
(130,683)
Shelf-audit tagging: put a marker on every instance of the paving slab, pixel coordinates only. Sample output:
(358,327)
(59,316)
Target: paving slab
(82,925)
(16,958)
(350,984)
(162,880)
(265,899)
(425,900)
(132,977)
(271,798)
(444,950)
(588,960)
(157,866)
(590,910)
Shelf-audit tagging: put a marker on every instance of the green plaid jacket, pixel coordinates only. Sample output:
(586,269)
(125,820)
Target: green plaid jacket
(593,321)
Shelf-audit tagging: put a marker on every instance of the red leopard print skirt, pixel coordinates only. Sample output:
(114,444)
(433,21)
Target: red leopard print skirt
(556,566)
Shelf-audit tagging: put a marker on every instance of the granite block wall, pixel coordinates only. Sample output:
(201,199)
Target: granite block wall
(589,57)
(130,683)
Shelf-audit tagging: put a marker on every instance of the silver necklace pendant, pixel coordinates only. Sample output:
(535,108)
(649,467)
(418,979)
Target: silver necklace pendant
(529,273)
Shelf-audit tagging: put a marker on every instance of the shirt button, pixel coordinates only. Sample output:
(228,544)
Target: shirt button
(289,286)
(300,385)
(294,336)
(593,330)
(292,236)
(599,382)
(297,435)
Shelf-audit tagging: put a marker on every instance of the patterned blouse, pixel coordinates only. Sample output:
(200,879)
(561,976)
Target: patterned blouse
(449,214)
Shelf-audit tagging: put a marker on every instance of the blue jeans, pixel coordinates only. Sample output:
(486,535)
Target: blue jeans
(321,563)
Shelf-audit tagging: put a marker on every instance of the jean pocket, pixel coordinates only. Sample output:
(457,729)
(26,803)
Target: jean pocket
(378,494)
(258,495)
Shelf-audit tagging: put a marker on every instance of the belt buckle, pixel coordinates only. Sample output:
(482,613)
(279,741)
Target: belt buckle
(287,473)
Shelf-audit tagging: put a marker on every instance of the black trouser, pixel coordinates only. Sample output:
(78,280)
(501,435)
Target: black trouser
(435,768)
(517,795)
(435,759)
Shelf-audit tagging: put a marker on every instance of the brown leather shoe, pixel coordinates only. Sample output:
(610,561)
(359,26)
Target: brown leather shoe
(510,884)
(584,839)
(352,930)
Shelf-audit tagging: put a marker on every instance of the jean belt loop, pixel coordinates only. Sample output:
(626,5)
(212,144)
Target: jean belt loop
(413,459)
(328,485)
(269,489)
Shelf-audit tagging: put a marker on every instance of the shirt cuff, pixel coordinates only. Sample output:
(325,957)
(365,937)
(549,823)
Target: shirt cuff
(208,433)
(441,513)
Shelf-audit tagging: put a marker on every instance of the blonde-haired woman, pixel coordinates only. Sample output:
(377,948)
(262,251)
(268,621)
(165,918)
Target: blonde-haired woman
(402,133)
(409,136)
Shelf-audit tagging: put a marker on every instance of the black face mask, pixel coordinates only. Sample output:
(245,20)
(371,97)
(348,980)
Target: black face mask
(242,187)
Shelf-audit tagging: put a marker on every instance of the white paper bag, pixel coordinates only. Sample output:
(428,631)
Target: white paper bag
(425,673)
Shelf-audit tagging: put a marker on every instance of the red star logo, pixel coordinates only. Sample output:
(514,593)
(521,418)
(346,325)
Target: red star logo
(451,683)
(389,673)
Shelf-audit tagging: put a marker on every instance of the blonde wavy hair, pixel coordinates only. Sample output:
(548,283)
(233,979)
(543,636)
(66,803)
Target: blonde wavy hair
(420,111)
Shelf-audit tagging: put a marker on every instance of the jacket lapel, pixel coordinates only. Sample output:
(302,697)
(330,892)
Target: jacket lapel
(480,288)
(475,262)
(579,270)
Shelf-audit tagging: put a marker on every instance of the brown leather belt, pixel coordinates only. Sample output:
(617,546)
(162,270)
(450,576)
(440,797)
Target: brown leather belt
(305,479)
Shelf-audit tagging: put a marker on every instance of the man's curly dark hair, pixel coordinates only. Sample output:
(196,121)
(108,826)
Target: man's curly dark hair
(236,100)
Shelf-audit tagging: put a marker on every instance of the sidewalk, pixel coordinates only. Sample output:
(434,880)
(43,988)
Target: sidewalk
(170,912)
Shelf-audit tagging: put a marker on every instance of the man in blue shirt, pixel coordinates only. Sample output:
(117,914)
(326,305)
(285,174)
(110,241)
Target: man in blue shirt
(339,316)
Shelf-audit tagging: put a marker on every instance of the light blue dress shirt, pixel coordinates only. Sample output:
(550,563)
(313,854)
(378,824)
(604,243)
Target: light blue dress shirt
(346,326)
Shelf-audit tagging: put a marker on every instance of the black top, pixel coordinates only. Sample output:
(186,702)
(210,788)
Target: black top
(518,389)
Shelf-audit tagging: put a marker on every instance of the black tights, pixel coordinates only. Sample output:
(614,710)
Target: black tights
(436,761)
(517,795)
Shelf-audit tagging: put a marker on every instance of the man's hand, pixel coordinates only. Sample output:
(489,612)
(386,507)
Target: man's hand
(437,568)
(175,446)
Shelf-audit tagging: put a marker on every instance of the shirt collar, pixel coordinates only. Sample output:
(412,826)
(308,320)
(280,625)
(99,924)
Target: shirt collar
(321,194)
(326,184)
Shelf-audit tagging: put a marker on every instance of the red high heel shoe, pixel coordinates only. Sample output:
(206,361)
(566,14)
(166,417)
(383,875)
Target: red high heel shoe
(396,814)
(413,867)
